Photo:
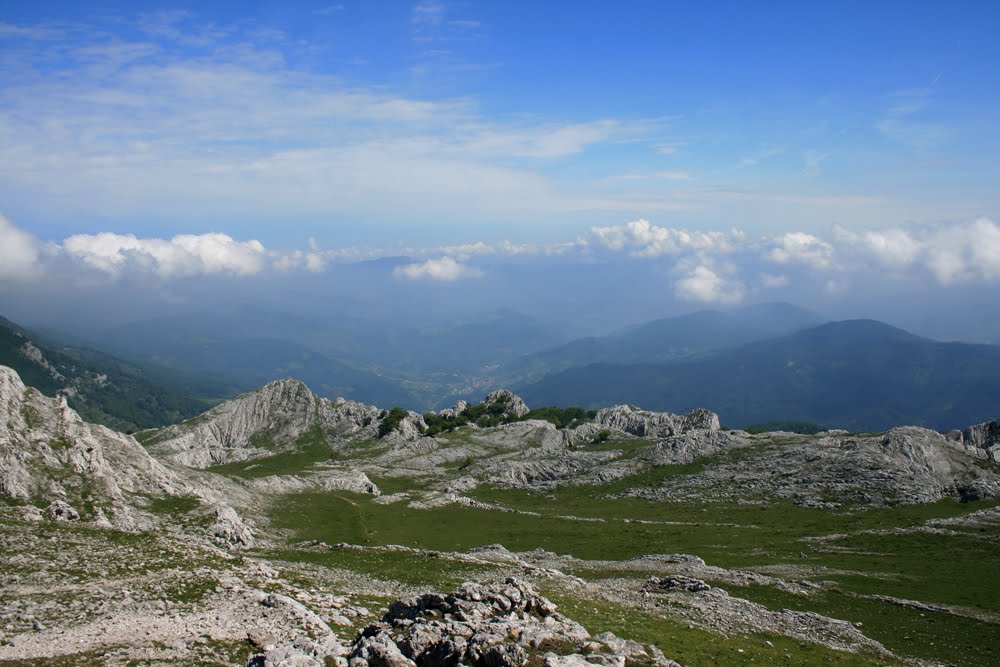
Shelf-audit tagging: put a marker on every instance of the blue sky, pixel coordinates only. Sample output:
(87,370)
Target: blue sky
(521,119)
(731,141)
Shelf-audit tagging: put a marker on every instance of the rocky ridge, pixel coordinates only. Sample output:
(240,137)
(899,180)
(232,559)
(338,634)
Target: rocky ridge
(259,424)
(983,439)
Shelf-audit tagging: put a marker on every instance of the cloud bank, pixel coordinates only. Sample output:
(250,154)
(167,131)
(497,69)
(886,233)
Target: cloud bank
(18,253)
(709,267)
(181,256)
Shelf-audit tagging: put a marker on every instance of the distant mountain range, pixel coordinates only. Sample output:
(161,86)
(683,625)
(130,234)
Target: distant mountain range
(668,339)
(763,363)
(104,389)
(861,375)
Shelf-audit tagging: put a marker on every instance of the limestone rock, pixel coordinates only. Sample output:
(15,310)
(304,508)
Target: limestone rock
(675,583)
(410,427)
(505,403)
(644,423)
(60,510)
(230,528)
(451,413)
(50,456)
(492,625)
(261,423)
(984,438)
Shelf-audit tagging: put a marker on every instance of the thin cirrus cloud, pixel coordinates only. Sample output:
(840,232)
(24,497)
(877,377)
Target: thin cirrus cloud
(223,125)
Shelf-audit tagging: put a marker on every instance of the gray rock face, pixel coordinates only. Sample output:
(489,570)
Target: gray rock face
(451,413)
(906,465)
(261,423)
(410,427)
(495,625)
(506,403)
(230,528)
(644,423)
(984,438)
(51,457)
(675,583)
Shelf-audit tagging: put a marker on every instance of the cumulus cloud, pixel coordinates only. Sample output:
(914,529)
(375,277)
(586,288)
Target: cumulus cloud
(643,239)
(953,253)
(705,284)
(313,261)
(892,247)
(445,269)
(965,252)
(18,252)
(182,255)
(802,248)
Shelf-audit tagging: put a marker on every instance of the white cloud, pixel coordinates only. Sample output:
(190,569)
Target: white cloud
(675,175)
(705,284)
(18,252)
(314,262)
(966,252)
(891,247)
(802,248)
(643,239)
(953,253)
(445,269)
(183,255)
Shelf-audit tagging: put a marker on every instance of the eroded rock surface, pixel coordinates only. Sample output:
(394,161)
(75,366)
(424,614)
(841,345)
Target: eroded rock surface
(261,423)
(495,625)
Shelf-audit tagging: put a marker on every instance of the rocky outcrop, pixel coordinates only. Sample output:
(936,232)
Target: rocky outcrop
(496,625)
(409,426)
(983,439)
(451,413)
(646,424)
(261,423)
(906,465)
(230,529)
(50,457)
(505,404)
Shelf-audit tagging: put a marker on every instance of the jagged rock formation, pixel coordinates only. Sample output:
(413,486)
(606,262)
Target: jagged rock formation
(643,423)
(49,457)
(496,625)
(906,465)
(983,438)
(506,404)
(261,423)
(409,426)
(76,471)
(451,413)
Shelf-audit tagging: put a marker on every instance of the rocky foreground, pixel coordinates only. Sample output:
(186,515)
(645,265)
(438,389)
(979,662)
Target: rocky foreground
(165,549)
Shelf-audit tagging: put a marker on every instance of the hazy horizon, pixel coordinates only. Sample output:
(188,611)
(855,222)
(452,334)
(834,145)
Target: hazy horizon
(588,167)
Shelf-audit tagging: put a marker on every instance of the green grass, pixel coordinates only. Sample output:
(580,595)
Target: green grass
(309,448)
(425,570)
(906,631)
(957,570)
(628,447)
(694,646)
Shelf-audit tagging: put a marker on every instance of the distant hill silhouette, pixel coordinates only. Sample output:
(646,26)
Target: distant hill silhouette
(861,375)
(669,339)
